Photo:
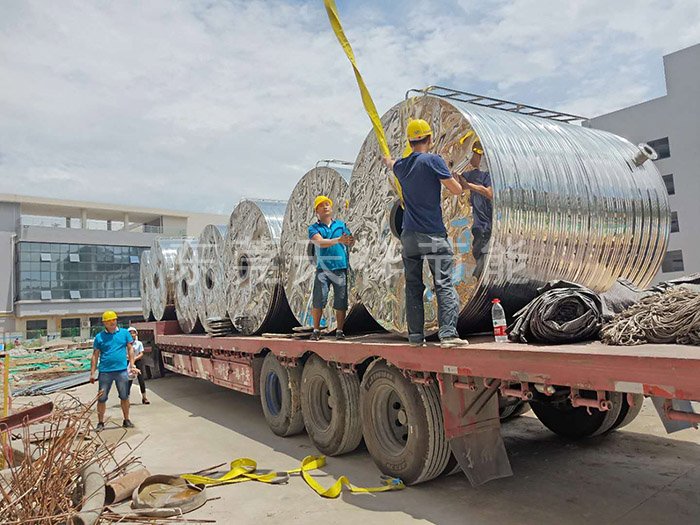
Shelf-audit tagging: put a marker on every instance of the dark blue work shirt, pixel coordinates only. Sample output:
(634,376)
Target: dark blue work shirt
(420,175)
(482,208)
(334,257)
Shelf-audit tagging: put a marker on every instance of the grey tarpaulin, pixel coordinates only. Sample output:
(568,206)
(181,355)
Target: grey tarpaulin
(566,312)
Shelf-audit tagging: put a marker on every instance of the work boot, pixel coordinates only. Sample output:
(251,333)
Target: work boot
(128,424)
(450,342)
(100,426)
(315,335)
(339,335)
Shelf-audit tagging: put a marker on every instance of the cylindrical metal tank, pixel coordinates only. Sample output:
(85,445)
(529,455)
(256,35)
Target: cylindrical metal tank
(162,282)
(255,296)
(297,253)
(568,203)
(145,274)
(188,287)
(211,274)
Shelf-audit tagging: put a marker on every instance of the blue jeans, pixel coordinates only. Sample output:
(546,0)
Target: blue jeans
(436,249)
(105,379)
(323,280)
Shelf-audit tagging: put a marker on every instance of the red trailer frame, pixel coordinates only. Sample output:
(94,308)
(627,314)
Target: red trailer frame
(468,377)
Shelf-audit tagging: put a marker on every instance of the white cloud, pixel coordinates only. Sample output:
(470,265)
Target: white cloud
(192,106)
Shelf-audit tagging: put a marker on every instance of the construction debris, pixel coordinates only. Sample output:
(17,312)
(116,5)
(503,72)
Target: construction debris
(59,470)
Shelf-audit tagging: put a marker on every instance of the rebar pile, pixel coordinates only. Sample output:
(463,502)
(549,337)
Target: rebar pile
(672,316)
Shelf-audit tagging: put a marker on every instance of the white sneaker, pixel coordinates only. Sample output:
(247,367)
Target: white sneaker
(451,342)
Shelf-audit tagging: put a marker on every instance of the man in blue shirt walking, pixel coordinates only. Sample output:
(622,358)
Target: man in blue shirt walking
(422,176)
(113,349)
(332,239)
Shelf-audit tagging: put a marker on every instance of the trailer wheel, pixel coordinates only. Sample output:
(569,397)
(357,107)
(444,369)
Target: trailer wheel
(510,408)
(628,413)
(280,397)
(402,425)
(330,402)
(576,422)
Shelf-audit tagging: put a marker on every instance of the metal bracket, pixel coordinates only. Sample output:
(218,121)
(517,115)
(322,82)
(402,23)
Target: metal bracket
(419,378)
(346,368)
(680,415)
(601,403)
(523,392)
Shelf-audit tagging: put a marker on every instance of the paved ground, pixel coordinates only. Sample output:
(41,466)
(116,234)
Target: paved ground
(635,476)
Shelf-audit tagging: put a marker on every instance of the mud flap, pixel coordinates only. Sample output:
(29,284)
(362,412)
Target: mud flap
(473,428)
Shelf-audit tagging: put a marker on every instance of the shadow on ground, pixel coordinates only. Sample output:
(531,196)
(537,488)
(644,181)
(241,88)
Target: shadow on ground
(625,477)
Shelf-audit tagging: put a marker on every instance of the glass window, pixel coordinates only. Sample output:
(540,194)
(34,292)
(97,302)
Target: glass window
(662,147)
(45,257)
(673,261)
(134,259)
(670,186)
(46,295)
(75,294)
(674,222)
(74,257)
(37,324)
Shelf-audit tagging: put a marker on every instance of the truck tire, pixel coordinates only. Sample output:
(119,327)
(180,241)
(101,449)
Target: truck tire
(628,413)
(280,397)
(330,404)
(576,422)
(402,425)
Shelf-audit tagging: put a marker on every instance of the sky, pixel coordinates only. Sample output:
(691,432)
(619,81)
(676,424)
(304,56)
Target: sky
(193,105)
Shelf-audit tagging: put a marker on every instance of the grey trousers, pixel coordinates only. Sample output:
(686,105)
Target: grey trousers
(436,249)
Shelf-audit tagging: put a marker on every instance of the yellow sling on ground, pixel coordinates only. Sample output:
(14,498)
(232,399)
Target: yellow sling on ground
(371,110)
(243,469)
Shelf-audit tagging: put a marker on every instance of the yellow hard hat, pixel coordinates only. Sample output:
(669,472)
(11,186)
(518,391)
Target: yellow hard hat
(418,129)
(109,315)
(320,200)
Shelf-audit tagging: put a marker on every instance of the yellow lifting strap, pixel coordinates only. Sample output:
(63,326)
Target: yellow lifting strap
(243,469)
(370,109)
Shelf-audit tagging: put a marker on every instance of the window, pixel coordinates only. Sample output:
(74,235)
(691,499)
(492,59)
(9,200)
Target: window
(74,257)
(670,186)
(70,327)
(36,328)
(75,294)
(674,222)
(673,261)
(46,295)
(45,257)
(134,259)
(661,147)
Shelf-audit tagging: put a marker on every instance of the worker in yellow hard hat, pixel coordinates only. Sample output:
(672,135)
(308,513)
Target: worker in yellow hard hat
(331,239)
(112,349)
(422,176)
(478,183)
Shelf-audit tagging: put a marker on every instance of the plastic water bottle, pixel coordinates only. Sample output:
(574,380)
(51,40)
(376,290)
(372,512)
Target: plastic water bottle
(499,322)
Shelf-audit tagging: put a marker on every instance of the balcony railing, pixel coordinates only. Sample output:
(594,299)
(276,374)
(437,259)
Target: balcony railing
(95,225)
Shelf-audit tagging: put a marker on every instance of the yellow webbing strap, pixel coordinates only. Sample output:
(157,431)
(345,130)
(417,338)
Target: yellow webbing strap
(243,469)
(370,109)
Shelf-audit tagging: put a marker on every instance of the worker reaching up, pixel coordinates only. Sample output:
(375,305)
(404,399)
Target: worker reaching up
(332,239)
(422,176)
(478,183)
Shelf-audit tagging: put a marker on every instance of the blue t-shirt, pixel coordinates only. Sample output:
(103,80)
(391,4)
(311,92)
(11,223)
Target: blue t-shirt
(334,257)
(112,347)
(420,175)
(482,208)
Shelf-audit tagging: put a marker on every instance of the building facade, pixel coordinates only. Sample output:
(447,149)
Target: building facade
(671,125)
(63,263)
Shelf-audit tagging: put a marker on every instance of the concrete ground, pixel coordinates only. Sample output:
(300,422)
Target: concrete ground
(638,475)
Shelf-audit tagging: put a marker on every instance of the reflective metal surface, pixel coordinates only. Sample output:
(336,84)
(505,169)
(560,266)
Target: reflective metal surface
(162,281)
(297,253)
(188,287)
(569,203)
(211,274)
(255,296)
(145,273)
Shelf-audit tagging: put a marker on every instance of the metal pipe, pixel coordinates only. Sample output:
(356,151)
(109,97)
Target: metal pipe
(645,153)
(93,497)
(679,415)
(600,404)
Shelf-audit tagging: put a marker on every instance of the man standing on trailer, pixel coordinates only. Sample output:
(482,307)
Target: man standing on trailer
(480,197)
(332,239)
(422,176)
(113,350)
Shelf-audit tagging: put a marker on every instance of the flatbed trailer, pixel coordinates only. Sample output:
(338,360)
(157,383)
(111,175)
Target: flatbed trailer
(424,411)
